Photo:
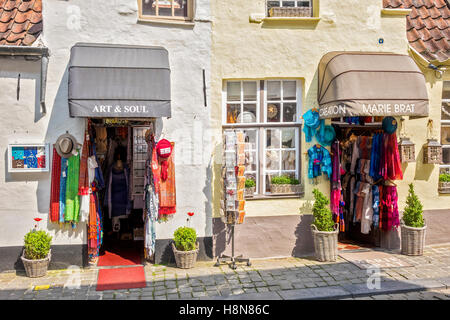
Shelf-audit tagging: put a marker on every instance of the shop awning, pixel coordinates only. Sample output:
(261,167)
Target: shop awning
(370,84)
(108,81)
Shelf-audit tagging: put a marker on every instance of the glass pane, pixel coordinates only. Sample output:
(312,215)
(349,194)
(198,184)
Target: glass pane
(446,90)
(149,7)
(252,177)
(249,90)
(273,112)
(271,4)
(445,135)
(249,114)
(288,160)
(288,3)
(180,7)
(288,138)
(250,139)
(273,90)
(165,8)
(273,139)
(446,155)
(250,161)
(233,112)
(445,113)
(289,90)
(234,91)
(272,160)
(289,112)
(303,4)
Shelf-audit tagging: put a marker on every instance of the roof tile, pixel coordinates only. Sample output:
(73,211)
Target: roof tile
(20,21)
(427,26)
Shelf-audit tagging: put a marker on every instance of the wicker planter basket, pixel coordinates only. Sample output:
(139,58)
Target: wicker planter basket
(286,188)
(185,259)
(36,268)
(444,187)
(290,12)
(325,243)
(249,192)
(413,240)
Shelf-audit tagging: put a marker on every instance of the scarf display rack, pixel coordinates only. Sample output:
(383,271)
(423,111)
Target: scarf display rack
(233,203)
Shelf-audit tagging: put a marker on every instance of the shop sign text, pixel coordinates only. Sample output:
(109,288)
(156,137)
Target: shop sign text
(368,109)
(120,109)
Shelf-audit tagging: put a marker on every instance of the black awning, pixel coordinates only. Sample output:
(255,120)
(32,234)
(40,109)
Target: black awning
(370,84)
(109,81)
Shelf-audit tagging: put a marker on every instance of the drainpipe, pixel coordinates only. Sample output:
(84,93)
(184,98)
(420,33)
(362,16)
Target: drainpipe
(31,53)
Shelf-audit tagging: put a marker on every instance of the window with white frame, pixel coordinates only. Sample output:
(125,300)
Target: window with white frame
(305,4)
(445,127)
(269,113)
(166,9)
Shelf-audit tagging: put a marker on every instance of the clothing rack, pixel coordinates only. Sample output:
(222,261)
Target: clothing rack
(233,259)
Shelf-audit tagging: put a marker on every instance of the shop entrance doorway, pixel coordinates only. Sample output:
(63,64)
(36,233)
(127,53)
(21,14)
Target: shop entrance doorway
(121,151)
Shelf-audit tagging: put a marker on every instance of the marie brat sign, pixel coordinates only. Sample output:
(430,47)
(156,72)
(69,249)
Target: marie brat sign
(358,108)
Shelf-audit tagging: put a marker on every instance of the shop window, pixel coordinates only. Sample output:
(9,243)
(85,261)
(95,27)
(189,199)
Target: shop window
(268,112)
(181,10)
(445,127)
(290,8)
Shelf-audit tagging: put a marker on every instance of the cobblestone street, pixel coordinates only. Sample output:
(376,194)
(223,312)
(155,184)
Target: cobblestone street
(288,278)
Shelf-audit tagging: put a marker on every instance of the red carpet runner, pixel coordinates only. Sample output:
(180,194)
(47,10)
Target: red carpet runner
(120,257)
(121,278)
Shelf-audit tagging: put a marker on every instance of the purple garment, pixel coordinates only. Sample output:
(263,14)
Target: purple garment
(336,164)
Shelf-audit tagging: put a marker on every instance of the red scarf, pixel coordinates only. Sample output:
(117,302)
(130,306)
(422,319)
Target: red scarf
(54,196)
(167,192)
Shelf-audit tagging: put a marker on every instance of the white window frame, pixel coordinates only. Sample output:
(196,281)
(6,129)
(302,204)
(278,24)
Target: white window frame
(295,2)
(173,18)
(261,125)
(444,123)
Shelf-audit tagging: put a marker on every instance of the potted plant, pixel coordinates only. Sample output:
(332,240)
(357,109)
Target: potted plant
(444,182)
(413,226)
(284,184)
(37,253)
(185,246)
(324,230)
(250,187)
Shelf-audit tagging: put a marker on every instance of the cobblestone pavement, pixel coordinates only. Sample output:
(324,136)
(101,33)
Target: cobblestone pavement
(287,278)
(415,295)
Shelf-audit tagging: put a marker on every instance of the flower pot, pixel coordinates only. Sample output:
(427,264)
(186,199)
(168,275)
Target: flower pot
(249,192)
(285,188)
(36,268)
(444,187)
(185,259)
(413,240)
(325,243)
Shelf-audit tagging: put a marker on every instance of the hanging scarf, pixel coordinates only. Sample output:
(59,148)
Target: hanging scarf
(62,190)
(55,188)
(389,208)
(72,197)
(167,192)
(83,183)
(392,167)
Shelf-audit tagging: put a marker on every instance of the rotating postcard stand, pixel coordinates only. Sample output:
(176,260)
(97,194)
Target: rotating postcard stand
(233,203)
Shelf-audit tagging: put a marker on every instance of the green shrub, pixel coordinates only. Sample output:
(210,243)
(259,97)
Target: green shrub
(444,177)
(37,244)
(284,180)
(323,218)
(185,239)
(250,183)
(412,216)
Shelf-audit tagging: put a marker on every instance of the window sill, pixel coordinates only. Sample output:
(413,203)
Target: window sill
(276,197)
(258,18)
(167,21)
(395,12)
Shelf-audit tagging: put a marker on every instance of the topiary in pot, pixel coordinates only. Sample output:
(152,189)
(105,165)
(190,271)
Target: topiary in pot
(413,228)
(250,187)
(185,246)
(324,229)
(37,253)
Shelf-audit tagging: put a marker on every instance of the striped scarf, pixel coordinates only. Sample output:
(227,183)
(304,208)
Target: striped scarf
(62,190)
(56,179)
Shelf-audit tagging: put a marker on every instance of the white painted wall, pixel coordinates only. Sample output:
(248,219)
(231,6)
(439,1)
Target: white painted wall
(26,196)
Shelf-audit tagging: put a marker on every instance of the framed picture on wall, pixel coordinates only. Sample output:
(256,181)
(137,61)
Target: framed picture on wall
(28,157)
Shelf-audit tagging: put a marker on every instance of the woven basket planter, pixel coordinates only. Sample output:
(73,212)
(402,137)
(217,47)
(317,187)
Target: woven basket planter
(36,268)
(413,240)
(249,192)
(290,12)
(325,243)
(185,259)
(286,188)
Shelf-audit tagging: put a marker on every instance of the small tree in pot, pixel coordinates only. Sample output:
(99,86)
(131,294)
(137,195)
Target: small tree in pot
(37,253)
(185,246)
(413,228)
(324,229)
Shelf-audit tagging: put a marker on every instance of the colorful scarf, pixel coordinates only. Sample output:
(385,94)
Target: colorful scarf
(389,209)
(55,188)
(62,190)
(167,192)
(83,183)
(72,197)
(391,165)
